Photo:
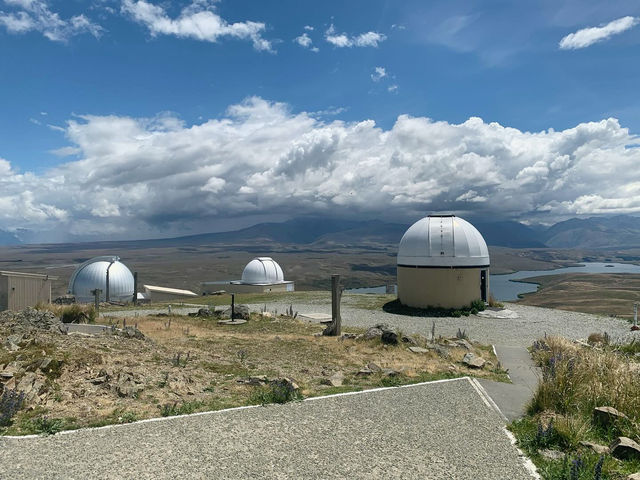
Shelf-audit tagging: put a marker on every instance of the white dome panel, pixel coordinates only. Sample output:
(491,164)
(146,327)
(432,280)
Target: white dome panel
(443,241)
(92,274)
(262,270)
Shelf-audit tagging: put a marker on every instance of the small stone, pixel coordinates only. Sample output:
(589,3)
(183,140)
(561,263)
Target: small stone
(365,371)
(372,333)
(634,476)
(601,449)
(473,361)
(349,336)
(625,448)
(464,344)
(373,367)
(389,337)
(389,372)
(418,350)
(336,379)
(605,416)
(551,454)
(441,351)
(45,363)
(409,340)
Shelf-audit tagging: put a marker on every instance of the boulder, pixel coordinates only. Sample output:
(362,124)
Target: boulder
(373,367)
(240,311)
(601,449)
(372,333)
(551,454)
(607,416)
(409,340)
(464,344)
(418,350)
(336,379)
(365,371)
(625,449)
(473,361)
(389,337)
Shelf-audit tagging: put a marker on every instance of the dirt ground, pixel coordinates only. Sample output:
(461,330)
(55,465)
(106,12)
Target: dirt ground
(187,364)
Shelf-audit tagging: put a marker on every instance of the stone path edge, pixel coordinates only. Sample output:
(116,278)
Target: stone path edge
(479,389)
(245,407)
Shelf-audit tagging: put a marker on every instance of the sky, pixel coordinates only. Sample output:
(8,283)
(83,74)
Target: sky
(124,119)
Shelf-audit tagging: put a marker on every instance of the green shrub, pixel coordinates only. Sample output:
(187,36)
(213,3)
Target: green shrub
(278,391)
(76,313)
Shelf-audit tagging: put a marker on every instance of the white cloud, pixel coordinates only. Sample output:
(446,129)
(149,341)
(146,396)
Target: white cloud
(35,15)
(198,21)
(342,40)
(588,36)
(392,88)
(305,41)
(151,176)
(309,28)
(378,74)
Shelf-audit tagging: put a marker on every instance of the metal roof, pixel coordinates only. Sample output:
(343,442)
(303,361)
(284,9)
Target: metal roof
(262,270)
(171,291)
(92,274)
(443,241)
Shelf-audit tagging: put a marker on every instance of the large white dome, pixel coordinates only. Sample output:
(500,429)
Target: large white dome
(443,241)
(92,274)
(262,270)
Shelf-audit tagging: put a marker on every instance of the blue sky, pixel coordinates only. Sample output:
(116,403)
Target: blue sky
(368,88)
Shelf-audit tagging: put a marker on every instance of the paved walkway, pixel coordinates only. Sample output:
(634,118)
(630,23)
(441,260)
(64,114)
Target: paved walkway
(441,430)
(512,398)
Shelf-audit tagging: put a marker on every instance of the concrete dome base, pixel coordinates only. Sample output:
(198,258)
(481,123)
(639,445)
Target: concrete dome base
(441,287)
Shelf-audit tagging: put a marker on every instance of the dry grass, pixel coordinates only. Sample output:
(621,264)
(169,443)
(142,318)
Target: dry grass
(191,364)
(578,379)
(605,294)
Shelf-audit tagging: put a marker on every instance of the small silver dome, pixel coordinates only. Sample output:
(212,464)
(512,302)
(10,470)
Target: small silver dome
(262,270)
(92,274)
(443,241)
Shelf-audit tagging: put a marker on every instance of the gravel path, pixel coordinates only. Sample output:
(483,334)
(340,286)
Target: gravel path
(404,432)
(533,323)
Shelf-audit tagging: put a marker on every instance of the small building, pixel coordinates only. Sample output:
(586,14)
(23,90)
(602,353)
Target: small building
(21,290)
(261,275)
(153,293)
(443,261)
(93,274)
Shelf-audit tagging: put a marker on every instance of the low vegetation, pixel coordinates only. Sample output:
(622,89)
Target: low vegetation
(575,380)
(394,306)
(189,364)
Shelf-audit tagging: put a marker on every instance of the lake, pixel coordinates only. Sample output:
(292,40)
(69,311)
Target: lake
(507,288)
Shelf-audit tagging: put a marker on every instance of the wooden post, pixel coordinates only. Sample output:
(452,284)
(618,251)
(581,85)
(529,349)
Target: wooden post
(233,306)
(96,295)
(135,288)
(336,294)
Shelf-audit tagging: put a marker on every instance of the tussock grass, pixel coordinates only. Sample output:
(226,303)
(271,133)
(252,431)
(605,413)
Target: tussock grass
(577,379)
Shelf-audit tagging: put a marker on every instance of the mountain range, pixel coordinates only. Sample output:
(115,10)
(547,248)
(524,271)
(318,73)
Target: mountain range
(595,232)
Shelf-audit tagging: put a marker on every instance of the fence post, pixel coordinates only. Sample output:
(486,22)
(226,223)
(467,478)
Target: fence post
(336,294)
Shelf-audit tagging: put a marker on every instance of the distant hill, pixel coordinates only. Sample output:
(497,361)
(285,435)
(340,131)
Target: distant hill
(8,238)
(594,232)
(509,234)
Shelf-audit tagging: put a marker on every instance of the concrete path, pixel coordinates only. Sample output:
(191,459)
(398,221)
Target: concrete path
(513,398)
(440,430)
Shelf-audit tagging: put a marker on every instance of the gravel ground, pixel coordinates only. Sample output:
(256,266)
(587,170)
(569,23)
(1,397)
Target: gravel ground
(393,433)
(533,323)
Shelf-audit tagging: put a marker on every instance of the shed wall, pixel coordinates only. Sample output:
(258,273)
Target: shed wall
(438,287)
(18,293)
(4,297)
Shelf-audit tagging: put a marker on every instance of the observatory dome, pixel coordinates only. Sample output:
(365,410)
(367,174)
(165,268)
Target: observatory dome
(262,270)
(443,241)
(92,274)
